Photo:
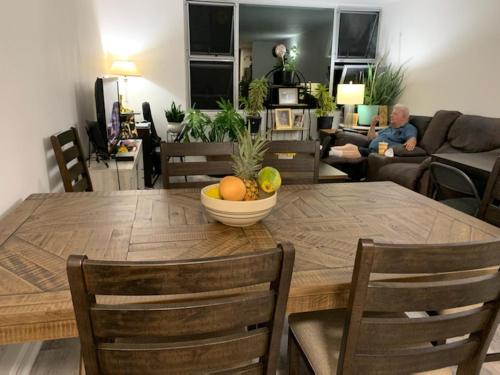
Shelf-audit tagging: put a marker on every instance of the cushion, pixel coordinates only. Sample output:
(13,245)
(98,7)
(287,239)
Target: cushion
(404,174)
(475,134)
(335,160)
(319,335)
(437,130)
(401,150)
(421,123)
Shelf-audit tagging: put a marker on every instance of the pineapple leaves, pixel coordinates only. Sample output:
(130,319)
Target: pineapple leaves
(248,161)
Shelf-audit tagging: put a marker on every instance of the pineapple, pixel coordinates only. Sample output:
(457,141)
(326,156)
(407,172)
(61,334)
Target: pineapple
(247,163)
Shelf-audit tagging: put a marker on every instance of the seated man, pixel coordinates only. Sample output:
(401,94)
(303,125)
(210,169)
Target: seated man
(400,132)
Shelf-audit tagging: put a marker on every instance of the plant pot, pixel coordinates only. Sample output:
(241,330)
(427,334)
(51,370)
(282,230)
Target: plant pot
(174,127)
(366,113)
(283,77)
(325,122)
(254,123)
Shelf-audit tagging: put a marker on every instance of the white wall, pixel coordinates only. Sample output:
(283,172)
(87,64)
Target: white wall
(452,52)
(151,33)
(50,55)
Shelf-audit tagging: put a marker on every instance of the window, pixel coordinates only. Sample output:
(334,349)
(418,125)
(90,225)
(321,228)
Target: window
(357,35)
(210,53)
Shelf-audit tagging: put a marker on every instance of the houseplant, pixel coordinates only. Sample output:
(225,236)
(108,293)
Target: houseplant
(227,123)
(369,108)
(174,116)
(254,104)
(326,106)
(197,126)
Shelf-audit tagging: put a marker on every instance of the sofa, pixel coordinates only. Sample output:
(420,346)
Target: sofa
(445,132)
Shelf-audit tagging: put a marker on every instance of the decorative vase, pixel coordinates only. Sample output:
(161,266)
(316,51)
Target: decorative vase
(254,123)
(325,122)
(382,114)
(283,77)
(366,113)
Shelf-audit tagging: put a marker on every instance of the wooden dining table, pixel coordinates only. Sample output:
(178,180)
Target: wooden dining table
(324,222)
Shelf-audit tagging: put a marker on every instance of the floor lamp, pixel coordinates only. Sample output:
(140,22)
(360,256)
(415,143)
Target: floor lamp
(349,95)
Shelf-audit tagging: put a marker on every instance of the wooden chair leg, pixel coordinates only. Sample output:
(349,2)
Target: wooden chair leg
(293,355)
(81,369)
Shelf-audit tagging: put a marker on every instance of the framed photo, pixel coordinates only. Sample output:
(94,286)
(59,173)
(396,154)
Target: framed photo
(283,118)
(298,120)
(288,95)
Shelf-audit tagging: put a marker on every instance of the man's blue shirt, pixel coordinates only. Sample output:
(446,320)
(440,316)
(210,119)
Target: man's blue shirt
(393,136)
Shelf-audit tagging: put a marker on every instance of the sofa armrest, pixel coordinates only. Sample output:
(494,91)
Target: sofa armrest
(341,138)
(376,161)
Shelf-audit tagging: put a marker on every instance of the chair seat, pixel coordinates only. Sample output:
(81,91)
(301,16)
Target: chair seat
(467,205)
(319,335)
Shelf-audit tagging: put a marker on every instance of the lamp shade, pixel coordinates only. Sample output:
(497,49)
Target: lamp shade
(350,94)
(124,68)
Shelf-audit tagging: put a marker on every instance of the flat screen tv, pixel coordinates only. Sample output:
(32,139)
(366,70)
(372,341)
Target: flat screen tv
(357,37)
(107,104)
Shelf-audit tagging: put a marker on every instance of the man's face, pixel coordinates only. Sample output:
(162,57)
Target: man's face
(397,118)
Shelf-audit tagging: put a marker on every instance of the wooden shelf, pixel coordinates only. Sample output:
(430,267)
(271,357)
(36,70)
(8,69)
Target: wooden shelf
(300,105)
(288,129)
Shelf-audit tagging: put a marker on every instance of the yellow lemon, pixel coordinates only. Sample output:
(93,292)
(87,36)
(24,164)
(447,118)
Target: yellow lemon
(213,192)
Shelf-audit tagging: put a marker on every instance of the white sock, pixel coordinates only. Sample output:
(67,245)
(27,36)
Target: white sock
(334,152)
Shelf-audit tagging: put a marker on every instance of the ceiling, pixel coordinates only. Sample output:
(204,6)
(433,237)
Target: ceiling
(275,22)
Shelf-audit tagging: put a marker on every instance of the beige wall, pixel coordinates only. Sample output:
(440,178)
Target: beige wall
(451,48)
(51,54)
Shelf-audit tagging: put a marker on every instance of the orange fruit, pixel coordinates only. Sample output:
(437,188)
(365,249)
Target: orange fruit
(232,188)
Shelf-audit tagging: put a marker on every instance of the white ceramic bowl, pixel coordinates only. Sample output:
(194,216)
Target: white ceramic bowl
(237,213)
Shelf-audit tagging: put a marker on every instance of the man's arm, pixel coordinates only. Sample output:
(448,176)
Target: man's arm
(372,134)
(411,138)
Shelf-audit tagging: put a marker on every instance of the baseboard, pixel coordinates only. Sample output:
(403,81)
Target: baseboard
(18,359)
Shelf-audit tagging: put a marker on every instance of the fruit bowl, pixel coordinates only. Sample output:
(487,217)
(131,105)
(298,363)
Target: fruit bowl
(237,213)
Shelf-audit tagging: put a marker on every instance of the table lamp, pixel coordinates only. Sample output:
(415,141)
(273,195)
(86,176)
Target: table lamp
(125,68)
(349,95)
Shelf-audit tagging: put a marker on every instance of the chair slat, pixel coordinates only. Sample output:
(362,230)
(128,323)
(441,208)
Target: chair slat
(197,149)
(434,258)
(253,369)
(209,274)
(376,332)
(66,137)
(291,165)
(200,168)
(80,186)
(202,355)
(416,359)
(487,210)
(436,295)
(292,146)
(75,171)
(70,154)
(193,318)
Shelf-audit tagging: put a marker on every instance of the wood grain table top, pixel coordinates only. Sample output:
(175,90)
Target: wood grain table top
(324,222)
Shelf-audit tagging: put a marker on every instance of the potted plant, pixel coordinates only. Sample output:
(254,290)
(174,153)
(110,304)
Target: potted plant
(197,126)
(326,106)
(285,71)
(174,116)
(369,108)
(254,104)
(227,123)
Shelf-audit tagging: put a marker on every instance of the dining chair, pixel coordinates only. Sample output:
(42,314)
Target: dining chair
(446,179)
(489,209)
(69,156)
(376,335)
(213,315)
(302,168)
(218,164)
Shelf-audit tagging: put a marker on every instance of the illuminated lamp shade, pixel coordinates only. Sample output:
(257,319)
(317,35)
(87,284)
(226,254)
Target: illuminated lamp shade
(350,95)
(124,68)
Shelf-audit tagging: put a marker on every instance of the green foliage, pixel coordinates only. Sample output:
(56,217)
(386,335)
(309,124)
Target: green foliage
(254,104)
(383,85)
(289,65)
(175,114)
(248,161)
(227,122)
(326,103)
(197,125)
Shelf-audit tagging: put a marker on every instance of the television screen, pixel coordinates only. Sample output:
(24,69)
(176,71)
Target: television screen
(210,81)
(211,29)
(357,35)
(107,101)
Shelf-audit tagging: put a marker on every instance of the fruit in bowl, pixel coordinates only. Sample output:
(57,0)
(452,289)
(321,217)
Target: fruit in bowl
(248,196)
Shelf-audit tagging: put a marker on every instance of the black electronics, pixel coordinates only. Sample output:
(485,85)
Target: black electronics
(107,105)
(96,140)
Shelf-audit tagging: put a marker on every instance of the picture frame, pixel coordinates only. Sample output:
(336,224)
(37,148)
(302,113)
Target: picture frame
(288,95)
(298,120)
(283,118)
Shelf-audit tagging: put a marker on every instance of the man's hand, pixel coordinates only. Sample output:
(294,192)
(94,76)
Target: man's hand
(372,134)
(410,144)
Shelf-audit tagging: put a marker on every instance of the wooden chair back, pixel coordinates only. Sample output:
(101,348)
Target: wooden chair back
(210,327)
(195,168)
(490,204)
(379,338)
(69,155)
(303,168)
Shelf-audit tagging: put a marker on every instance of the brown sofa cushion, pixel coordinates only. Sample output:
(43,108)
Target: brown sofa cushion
(437,130)
(475,134)
(404,174)
(400,150)
(421,123)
